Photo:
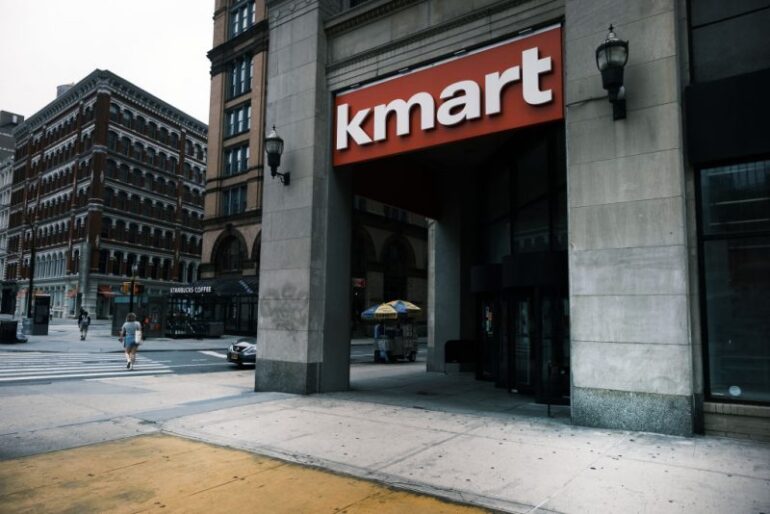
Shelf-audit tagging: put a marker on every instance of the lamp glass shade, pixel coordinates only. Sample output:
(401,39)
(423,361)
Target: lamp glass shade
(273,144)
(612,54)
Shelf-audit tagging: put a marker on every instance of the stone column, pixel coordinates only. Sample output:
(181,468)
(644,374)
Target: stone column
(444,275)
(304,315)
(631,348)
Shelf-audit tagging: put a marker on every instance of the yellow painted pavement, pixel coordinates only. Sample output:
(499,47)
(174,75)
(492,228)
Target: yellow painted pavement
(162,473)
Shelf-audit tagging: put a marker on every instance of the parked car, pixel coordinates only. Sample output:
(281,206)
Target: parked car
(243,351)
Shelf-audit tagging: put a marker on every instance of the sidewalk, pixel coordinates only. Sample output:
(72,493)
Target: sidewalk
(64,336)
(442,435)
(448,436)
(160,473)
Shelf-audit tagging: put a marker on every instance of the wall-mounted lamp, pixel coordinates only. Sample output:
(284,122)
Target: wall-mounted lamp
(611,58)
(274,149)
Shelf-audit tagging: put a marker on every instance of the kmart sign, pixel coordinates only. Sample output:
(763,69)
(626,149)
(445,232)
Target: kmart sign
(508,85)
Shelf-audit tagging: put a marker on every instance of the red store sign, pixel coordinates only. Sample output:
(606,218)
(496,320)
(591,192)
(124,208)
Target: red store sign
(509,85)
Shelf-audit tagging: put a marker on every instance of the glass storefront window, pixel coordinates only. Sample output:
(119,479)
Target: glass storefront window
(735,243)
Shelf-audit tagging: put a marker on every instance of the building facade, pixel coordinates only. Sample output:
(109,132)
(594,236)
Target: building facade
(615,263)
(108,183)
(8,122)
(234,175)
(389,245)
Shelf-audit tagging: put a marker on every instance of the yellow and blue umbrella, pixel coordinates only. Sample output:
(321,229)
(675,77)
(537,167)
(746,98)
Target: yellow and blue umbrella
(380,311)
(390,310)
(404,307)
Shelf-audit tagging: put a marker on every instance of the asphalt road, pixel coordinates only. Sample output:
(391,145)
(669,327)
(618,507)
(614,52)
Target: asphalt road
(46,367)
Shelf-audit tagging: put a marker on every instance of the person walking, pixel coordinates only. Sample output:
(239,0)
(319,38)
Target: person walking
(131,337)
(84,320)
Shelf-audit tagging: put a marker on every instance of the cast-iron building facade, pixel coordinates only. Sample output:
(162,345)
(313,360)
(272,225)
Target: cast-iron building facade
(107,177)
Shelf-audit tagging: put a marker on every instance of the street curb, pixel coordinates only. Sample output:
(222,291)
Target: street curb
(495,505)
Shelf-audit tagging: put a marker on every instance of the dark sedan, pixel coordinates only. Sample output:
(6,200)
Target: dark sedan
(243,351)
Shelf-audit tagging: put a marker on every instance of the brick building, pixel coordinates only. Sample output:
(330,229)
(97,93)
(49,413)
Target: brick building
(107,179)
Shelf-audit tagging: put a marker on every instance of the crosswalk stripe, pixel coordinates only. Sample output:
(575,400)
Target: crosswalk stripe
(213,354)
(17,367)
(124,373)
(64,371)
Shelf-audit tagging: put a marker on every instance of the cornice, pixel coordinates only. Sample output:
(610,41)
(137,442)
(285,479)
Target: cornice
(104,81)
(252,41)
(364,14)
(436,30)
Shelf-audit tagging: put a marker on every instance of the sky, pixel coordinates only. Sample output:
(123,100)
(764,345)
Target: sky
(158,45)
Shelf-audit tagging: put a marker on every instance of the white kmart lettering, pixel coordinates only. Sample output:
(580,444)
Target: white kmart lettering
(460,101)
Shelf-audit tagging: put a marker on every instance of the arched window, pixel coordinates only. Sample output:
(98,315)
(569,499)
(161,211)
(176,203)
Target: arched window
(230,255)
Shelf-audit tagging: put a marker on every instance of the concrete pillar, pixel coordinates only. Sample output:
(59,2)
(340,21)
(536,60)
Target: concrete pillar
(631,345)
(304,315)
(444,275)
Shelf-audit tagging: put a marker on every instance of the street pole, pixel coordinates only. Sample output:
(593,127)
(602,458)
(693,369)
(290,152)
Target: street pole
(131,297)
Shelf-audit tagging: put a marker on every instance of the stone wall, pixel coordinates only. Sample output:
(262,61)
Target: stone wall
(632,353)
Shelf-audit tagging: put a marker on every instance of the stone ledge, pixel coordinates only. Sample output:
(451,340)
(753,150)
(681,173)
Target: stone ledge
(734,409)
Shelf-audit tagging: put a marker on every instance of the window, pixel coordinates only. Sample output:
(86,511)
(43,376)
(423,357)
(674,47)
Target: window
(242,16)
(241,71)
(735,247)
(238,120)
(236,160)
(230,255)
(128,119)
(234,200)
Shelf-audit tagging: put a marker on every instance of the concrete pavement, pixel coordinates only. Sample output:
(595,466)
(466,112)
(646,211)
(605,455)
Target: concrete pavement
(444,435)
(511,460)
(160,473)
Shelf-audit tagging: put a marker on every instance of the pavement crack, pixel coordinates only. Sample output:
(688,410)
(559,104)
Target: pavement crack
(216,486)
(125,467)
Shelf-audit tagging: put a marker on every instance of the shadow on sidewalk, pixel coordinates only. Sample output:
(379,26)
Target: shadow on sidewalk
(409,385)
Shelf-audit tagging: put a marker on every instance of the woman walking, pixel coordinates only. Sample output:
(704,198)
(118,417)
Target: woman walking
(131,336)
(83,321)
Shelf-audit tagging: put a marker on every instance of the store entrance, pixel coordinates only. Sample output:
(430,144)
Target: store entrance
(524,336)
(538,353)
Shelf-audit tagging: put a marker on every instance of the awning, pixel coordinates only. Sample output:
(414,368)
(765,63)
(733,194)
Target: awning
(106,291)
(236,286)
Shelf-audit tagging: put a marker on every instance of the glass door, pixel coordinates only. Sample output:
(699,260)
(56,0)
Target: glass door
(522,341)
(538,344)
(553,363)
